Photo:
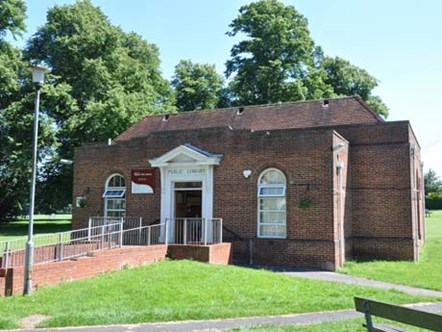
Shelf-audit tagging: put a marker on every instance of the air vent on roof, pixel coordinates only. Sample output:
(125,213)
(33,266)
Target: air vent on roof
(166,117)
(240,111)
(325,103)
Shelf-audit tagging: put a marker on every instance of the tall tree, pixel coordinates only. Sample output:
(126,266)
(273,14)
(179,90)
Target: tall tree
(12,17)
(16,105)
(432,183)
(197,86)
(103,80)
(348,80)
(272,62)
(278,61)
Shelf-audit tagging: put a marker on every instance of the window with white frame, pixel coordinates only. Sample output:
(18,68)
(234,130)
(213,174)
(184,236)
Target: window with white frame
(115,197)
(272,204)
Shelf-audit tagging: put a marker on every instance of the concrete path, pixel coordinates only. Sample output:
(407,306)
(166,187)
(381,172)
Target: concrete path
(333,276)
(307,318)
(219,324)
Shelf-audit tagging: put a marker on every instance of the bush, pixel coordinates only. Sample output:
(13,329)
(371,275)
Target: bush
(433,201)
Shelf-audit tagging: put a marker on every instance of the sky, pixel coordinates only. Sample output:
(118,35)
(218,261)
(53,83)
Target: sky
(397,41)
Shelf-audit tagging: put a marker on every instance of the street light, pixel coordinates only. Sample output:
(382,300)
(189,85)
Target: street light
(38,73)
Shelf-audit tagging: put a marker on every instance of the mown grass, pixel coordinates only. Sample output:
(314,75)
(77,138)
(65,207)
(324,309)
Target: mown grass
(181,290)
(426,273)
(43,224)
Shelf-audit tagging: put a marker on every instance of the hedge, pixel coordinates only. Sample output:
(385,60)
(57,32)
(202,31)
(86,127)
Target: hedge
(433,202)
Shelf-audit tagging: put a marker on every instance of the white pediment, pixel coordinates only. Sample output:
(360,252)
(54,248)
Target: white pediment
(186,154)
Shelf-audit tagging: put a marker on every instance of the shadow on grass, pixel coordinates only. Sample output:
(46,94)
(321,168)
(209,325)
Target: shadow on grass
(16,229)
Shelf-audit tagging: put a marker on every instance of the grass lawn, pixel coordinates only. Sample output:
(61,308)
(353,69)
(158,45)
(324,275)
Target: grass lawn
(43,224)
(180,290)
(426,273)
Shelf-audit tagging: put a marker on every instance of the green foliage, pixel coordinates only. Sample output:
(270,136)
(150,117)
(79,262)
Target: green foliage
(433,190)
(271,63)
(425,273)
(102,81)
(182,290)
(432,182)
(12,17)
(349,80)
(278,61)
(433,201)
(197,86)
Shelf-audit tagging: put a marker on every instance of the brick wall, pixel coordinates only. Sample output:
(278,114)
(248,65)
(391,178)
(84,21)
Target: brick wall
(99,262)
(376,186)
(380,190)
(11,280)
(214,254)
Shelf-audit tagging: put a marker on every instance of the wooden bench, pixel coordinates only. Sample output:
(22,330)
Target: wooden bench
(422,319)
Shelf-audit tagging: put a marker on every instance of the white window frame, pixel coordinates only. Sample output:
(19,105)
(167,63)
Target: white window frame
(261,196)
(114,193)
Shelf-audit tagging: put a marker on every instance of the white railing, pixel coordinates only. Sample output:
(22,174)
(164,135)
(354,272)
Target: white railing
(60,246)
(128,222)
(194,230)
(111,233)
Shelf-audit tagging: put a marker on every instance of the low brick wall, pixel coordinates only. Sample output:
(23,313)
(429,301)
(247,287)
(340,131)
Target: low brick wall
(214,254)
(83,267)
(11,280)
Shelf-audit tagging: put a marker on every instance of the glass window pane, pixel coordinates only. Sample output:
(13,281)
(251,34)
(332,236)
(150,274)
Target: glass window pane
(273,176)
(272,191)
(272,230)
(277,203)
(188,185)
(116,181)
(272,217)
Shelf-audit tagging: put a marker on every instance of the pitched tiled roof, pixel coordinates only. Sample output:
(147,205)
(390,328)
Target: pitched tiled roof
(305,114)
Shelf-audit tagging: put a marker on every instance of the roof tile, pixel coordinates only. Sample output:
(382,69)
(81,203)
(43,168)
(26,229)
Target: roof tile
(296,115)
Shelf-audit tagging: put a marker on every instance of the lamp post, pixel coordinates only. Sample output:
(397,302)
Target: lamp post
(38,73)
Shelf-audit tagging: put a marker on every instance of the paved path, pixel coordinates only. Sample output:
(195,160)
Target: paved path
(333,276)
(217,324)
(307,318)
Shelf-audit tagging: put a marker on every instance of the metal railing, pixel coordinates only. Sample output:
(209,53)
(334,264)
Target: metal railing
(128,222)
(67,245)
(108,234)
(195,230)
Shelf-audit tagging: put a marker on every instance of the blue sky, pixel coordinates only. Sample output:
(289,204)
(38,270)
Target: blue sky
(398,42)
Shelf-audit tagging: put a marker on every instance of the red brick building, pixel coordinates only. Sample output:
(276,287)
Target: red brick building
(296,184)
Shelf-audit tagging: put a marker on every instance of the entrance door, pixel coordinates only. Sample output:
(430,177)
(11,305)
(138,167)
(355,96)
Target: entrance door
(188,204)
(188,209)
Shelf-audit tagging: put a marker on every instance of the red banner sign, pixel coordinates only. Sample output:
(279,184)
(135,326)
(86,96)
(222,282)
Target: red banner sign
(144,176)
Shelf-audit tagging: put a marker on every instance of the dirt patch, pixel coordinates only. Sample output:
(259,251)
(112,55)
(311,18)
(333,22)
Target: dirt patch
(31,322)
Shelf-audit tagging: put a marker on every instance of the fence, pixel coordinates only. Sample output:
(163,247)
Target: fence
(195,230)
(128,222)
(59,246)
(109,233)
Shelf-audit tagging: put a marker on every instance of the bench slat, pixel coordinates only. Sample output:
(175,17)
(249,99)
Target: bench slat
(426,320)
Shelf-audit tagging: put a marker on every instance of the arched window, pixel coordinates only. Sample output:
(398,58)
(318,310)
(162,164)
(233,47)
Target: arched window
(115,197)
(272,204)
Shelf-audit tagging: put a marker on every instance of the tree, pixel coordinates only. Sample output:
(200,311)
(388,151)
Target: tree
(432,183)
(12,17)
(278,61)
(277,54)
(103,80)
(197,86)
(349,80)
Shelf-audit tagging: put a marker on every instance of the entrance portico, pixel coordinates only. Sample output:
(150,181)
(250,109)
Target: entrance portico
(186,183)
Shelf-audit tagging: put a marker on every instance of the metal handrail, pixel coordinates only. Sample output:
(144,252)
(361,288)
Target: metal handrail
(194,230)
(66,245)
